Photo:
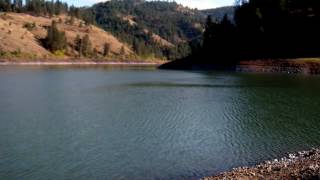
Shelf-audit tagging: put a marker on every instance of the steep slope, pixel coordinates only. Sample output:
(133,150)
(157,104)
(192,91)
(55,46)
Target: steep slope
(15,38)
(22,33)
(160,28)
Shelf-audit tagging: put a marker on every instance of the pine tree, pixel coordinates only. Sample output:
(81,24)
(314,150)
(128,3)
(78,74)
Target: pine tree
(3,5)
(57,9)
(83,46)
(7,5)
(86,46)
(55,40)
(122,51)
(78,46)
(106,49)
(51,10)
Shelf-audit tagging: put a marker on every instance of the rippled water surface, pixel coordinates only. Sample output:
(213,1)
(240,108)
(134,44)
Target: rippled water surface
(142,123)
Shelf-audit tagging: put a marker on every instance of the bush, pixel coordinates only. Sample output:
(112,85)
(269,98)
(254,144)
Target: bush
(59,53)
(29,26)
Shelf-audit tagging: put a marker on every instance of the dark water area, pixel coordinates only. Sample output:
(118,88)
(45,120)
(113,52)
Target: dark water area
(143,123)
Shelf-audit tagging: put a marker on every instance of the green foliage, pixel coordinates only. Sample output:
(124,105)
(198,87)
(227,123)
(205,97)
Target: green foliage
(55,40)
(86,48)
(50,8)
(83,46)
(161,18)
(17,54)
(122,51)
(264,29)
(106,49)
(30,26)
(59,53)
(77,43)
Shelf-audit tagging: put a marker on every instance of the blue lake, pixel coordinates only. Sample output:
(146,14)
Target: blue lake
(142,123)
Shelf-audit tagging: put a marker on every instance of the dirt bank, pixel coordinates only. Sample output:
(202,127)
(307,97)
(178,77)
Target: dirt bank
(301,65)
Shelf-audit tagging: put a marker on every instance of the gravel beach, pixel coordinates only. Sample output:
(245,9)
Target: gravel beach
(300,165)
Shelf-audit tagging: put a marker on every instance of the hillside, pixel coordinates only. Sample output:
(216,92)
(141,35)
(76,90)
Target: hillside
(219,13)
(152,28)
(21,35)
(261,30)
(127,29)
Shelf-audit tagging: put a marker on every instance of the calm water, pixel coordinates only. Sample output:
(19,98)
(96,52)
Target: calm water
(136,123)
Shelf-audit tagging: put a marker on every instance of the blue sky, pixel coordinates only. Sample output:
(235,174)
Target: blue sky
(200,4)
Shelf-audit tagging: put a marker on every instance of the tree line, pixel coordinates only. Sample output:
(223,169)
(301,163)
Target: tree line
(47,8)
(56,42)
(263,29)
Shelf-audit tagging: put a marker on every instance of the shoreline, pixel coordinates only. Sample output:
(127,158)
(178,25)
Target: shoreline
(300,165)
(289,66)
(63,63)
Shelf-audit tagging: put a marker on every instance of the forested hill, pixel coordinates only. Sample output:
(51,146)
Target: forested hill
(153,28)
(145,29)
(262,29)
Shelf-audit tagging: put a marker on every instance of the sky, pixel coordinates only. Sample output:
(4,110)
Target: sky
(200,4)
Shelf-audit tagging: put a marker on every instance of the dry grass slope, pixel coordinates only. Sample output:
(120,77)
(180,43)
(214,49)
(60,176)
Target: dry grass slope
(15,37)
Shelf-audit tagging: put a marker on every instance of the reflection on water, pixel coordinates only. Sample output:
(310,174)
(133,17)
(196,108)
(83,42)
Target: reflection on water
(135,123)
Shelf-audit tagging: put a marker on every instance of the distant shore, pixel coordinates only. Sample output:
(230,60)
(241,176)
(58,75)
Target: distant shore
(300,165)
(288,66)
(55,63)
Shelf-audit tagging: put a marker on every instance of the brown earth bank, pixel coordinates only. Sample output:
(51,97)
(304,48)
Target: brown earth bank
(300,165)
(290,66)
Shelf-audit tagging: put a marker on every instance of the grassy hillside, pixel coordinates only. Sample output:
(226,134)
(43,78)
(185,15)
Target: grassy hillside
(21,35)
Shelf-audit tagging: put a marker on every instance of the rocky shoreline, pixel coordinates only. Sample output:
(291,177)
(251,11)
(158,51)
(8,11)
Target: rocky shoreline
(300,165)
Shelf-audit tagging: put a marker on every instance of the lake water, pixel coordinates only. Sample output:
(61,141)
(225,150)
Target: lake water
(143,123)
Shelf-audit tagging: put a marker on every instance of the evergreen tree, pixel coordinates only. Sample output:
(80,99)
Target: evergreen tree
(7,5)
(106,49)
(3,5)
(78,42)
(122,51)
(51,7)
(83,46)
(55,39)
(57,9)
(86,46)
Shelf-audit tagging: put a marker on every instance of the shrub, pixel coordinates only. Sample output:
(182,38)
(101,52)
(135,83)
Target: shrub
(29,26)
